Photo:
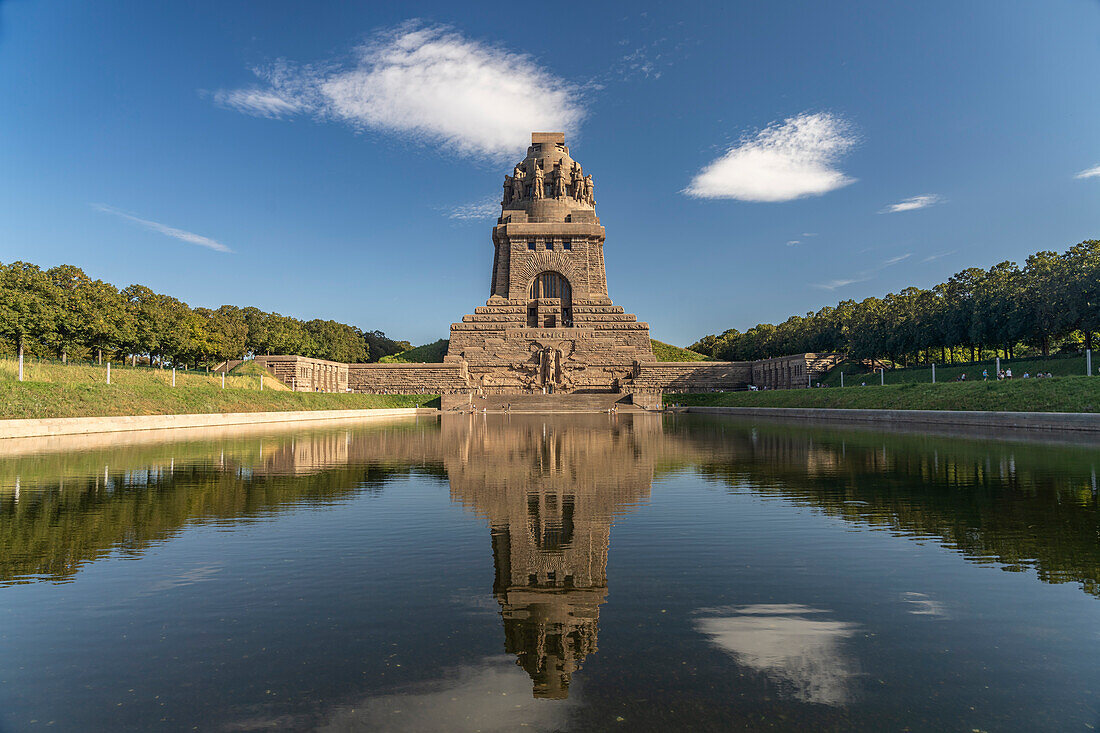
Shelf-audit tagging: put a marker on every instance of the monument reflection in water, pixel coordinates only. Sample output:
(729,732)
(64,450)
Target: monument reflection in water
(549,493)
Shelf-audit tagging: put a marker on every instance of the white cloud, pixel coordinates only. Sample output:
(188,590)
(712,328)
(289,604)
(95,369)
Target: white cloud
(793,242)
(427,83)
(484,209)
(257,102)
(862,276)
(896,260)
(809,234)
(782,162)
(788,642)
(914,203)
(1093,172)
(180,234)
(834,284)
(938,255)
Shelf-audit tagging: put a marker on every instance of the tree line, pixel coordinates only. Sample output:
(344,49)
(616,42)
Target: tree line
(1052,303)
(62,312)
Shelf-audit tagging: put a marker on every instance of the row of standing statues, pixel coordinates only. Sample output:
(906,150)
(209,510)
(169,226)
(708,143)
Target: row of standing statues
(565,184)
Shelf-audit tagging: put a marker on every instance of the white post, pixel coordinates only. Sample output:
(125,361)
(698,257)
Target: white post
(998,367)
(20,366)
(223,380)
(882,376)
(842,379)
(261,383)
(108,372)
(1088,362)
(173,376)
(933,372)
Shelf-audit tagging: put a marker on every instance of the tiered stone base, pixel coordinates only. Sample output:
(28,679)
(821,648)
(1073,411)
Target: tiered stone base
(592,347)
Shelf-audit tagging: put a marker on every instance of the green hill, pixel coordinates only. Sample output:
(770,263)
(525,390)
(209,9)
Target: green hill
(668,352)
(432,353)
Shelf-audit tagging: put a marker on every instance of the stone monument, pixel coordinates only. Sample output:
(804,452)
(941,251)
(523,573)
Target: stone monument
(549,325)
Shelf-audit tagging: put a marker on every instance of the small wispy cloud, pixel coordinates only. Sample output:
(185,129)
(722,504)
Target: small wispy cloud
(938,255)
(484,209)
(834,284)
(428,83)
(809,234)
(785,161)
(258,102)
(913,203)
(180,234)
(863,275)
(793,242)
(896,260)
(1093,172)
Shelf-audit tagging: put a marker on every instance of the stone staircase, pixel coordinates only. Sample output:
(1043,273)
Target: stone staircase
(600,402)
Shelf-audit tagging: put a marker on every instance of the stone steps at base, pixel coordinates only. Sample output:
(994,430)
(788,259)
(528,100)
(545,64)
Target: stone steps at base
(600,402)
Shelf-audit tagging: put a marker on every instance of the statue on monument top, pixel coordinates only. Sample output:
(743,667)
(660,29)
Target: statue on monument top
(578,182)
(517,183)
(559,181)
(538,189)
(589,193)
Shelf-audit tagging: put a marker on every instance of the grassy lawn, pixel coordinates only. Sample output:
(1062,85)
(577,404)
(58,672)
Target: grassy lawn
(668,352)
(56,390)
(1060,394)
(1072,365)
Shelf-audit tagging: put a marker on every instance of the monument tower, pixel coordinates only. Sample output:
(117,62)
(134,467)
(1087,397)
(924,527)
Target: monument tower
(549,324)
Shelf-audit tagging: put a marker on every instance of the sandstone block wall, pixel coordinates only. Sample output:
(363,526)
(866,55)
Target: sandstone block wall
(692,376)
(303,374)
(797,371)
(444,378)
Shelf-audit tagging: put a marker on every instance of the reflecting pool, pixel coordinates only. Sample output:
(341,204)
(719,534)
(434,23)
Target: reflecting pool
(504,572)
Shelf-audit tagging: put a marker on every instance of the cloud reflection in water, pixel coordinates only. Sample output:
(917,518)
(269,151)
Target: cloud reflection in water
(790,643)
(492,696)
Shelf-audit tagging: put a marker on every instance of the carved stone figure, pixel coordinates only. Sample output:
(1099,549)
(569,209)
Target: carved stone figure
(539,187)
(589,193)
(559,183)
(517,183)
(578,182)
(508,180)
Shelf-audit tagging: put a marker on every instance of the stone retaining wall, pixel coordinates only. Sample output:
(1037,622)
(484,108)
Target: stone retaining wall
(692,376)
(1076,421)
(88,425)
(438,379)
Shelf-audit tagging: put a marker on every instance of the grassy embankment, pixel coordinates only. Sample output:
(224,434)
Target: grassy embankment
(1060,366)
(80,390)
(433,353)
(1060,394)
(668,352)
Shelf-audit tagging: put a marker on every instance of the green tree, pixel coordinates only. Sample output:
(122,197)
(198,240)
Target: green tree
(27,305)
(1081,267)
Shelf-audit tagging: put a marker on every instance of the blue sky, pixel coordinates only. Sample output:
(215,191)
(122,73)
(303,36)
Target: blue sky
(751,160)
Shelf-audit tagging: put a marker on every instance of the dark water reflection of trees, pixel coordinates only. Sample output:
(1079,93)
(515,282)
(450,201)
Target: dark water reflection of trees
(1024,506)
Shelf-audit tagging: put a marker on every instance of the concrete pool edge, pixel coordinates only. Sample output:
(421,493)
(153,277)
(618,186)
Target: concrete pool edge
(1071,421)
(35,428)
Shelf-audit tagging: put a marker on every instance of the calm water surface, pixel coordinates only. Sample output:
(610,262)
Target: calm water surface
(548,573)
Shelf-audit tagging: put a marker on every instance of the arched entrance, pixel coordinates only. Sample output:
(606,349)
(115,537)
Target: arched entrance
(549,285)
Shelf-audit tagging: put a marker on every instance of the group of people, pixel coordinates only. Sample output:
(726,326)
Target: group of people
(1007,374)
